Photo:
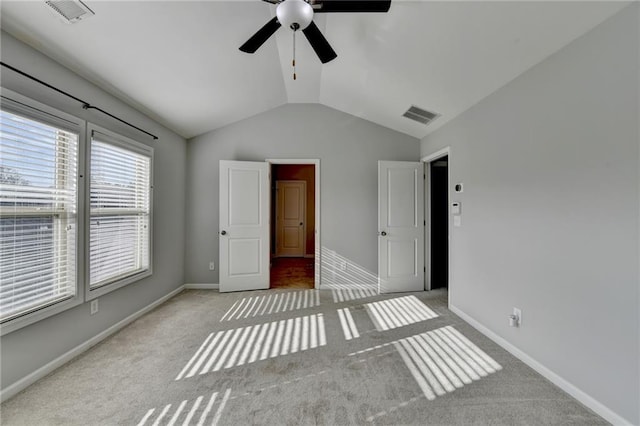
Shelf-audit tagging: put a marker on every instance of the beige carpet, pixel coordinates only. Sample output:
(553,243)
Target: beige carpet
(289,357)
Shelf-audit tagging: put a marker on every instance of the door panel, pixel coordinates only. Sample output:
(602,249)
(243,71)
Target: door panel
(402,209)
(402,258)
(400,226)
(244,256)
(290,217)
(244,197)
(244,226)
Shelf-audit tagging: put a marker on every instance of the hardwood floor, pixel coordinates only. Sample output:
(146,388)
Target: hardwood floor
(292,272)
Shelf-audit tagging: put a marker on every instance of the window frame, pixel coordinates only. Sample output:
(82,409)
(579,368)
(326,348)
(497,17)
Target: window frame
(130,145)
(30,109)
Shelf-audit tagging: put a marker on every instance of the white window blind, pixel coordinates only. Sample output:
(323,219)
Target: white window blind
(119,230)
(38,214)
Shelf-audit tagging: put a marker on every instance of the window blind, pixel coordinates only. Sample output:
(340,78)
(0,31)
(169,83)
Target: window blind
(119,231)
(38,214)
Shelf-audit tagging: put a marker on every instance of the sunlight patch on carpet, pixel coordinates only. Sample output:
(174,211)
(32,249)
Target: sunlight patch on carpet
(440,361)
(272,304)
(187,412)
(348,325)
(245,345)
(398,312)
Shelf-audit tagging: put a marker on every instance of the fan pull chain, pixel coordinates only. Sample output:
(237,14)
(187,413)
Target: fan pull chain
(293,63)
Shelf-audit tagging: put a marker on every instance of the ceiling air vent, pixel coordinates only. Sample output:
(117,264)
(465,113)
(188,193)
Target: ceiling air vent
(71,11)
(420,115)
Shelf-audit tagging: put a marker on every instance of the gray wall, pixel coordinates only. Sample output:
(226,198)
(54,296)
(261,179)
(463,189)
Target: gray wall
(30,348)
(550,164)
(348,148)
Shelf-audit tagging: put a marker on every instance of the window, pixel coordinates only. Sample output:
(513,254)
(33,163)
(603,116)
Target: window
(38,210)
(75,211)
(120,211)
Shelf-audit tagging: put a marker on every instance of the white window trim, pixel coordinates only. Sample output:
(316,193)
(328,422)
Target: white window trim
(135,146)
(21,105)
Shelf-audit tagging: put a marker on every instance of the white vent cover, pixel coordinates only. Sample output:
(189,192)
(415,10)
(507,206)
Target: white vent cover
(420,115)
(71,11)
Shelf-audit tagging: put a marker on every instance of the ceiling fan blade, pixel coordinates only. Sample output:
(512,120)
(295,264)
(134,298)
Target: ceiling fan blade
(319,43)
(329,6)
(263,34)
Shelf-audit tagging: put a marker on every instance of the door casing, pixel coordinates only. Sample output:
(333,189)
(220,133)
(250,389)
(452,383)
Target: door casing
(317,238)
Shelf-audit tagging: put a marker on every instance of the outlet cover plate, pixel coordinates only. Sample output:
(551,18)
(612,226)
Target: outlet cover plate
(94,306)
(518,313)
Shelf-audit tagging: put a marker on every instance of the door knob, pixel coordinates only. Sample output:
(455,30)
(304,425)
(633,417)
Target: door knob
(223,232)
(300,223)
(383,233)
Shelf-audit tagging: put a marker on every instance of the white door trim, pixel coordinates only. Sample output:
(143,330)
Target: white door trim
(427,159)
(438,154)
(317,250)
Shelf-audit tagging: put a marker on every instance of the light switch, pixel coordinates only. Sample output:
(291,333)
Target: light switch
(456,208)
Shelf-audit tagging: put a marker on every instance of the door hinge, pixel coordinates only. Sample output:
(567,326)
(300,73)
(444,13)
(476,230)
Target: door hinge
(424,176)
(425,269)
(425,223)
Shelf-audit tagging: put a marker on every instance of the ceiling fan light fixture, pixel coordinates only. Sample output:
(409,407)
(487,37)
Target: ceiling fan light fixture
(294,14)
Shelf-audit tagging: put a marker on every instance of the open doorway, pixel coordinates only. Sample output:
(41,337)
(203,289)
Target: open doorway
(293,226)
(439,223)
(437,244)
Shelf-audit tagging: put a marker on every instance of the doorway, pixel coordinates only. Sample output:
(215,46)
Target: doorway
(293,226)
(437,167)
(439,223)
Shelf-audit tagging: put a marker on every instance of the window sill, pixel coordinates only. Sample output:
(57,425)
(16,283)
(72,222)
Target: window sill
(108,288)
(39,315)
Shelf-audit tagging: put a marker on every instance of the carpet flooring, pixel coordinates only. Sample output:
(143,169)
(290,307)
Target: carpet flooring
(296,357)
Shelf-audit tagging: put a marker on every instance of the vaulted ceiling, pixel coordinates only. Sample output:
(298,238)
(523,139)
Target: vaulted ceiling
(178,61)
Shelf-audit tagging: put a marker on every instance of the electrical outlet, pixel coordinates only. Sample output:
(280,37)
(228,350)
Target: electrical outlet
(94,306)
(342,265)
(518,313)
(212,266)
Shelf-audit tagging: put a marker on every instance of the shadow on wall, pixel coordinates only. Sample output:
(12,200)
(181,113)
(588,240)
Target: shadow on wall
(338,272)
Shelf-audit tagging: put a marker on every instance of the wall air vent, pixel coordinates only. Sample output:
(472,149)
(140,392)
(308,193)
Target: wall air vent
(70,11)
(420,115)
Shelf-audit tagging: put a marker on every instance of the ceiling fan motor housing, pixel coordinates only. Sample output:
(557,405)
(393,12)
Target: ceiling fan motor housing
(294,14)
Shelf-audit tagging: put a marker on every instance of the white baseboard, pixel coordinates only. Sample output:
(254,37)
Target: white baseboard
(559,381)
(202,286)
(28,380)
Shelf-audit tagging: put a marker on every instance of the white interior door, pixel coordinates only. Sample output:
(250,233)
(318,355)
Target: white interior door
(244,226)
(400,226)
(290,211)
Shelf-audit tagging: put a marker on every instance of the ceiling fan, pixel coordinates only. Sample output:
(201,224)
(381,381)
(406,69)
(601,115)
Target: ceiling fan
(298,15)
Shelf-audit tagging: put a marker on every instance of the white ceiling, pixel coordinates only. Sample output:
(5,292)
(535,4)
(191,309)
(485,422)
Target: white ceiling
(179,62)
